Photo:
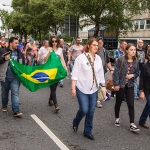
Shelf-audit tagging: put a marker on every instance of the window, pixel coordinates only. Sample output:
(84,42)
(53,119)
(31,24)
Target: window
(136,24)
(142,22)
(147,24)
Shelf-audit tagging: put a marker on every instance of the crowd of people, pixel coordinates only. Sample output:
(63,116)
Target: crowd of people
(87,65)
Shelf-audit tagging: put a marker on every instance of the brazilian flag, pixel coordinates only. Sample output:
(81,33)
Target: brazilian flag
(36,77)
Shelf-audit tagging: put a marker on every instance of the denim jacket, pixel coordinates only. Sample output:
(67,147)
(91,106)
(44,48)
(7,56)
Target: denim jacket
(120,78)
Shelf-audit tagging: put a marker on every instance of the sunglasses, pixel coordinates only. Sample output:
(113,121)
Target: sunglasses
(54,41)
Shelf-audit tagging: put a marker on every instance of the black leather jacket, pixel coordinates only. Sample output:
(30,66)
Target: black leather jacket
(4,63)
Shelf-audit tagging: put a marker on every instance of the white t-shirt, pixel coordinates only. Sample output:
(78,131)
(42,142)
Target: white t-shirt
(42,53)
(59,52)
(82,73)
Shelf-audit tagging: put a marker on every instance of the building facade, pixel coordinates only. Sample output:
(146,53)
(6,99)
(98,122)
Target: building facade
(142,26)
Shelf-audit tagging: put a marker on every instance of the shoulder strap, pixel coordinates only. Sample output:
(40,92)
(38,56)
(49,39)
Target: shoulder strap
(93,72)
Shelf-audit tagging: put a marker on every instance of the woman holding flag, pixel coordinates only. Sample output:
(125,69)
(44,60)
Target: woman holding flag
(54,44)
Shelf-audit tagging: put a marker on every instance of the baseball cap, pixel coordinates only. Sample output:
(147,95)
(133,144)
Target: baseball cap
(31,39)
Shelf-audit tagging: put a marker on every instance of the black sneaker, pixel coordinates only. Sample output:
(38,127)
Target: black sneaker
(134,128)
(117,122)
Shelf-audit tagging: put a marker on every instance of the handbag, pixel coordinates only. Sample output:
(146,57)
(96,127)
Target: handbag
(109,82)
(101,95)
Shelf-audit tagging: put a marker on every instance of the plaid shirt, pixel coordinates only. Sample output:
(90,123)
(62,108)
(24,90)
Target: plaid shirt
(118,53)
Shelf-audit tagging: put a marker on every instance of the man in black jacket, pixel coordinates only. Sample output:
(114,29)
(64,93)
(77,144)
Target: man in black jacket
(145,92)
(8,80)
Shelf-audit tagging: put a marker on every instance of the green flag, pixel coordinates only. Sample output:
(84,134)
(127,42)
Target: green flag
(36,77)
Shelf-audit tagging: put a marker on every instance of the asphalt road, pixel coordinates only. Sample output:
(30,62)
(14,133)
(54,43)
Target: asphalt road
(26,134)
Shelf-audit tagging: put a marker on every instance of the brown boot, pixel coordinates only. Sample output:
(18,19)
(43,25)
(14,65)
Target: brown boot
(50,103)
(56,107)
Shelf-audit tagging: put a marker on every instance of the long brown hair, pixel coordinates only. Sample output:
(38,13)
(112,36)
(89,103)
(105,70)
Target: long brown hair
(147,51)
(127,48)
(57,39)
(89,42)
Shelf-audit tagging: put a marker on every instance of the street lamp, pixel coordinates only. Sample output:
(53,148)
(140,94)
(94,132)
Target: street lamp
(7,30)
(6,5)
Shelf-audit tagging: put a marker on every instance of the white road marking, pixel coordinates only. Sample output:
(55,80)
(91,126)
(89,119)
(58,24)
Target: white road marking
(49,133)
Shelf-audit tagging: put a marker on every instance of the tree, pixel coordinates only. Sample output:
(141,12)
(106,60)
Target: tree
(108,13)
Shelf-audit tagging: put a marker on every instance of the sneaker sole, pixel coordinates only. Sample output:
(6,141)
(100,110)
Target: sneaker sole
(99,106)
(117,125)
(137,130)
(19,115)
(4,110)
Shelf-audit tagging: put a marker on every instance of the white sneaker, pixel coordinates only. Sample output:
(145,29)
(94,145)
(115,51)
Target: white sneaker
(99,105)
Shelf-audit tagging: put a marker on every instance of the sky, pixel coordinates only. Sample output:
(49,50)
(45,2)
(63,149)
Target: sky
(8,7)
(6,2)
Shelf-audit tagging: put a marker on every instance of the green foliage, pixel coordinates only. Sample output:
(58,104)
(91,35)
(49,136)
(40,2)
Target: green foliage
(84,41)
(111,53)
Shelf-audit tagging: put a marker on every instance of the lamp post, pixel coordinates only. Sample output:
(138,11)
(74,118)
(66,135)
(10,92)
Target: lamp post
(7,29)
(6,5)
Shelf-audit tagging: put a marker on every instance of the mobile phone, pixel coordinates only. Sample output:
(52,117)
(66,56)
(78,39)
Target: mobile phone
(5,54)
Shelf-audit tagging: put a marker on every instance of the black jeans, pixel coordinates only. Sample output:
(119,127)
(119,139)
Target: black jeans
(53,93)
(129,92)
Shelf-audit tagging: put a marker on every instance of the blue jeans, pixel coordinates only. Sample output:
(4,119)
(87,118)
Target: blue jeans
(13,85)
(71,65)
(146,110)
(87,104)
(136,86)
